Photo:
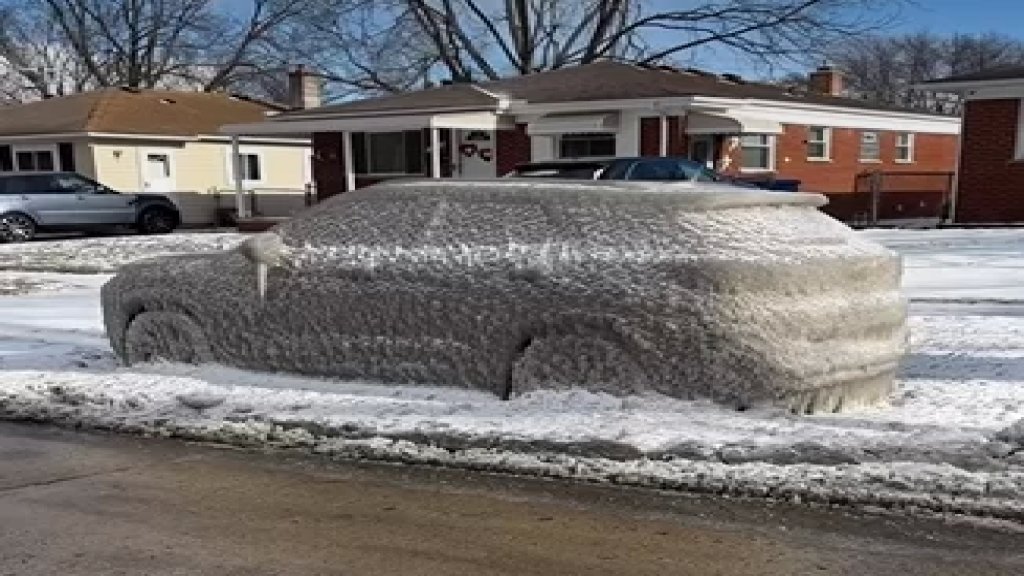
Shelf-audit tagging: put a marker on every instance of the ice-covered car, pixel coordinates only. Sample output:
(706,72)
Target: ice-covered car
(510,286)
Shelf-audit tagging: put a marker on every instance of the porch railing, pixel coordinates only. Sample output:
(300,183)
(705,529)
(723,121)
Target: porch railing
(896,197)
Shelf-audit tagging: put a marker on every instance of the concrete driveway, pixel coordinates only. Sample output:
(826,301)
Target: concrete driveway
(77,504)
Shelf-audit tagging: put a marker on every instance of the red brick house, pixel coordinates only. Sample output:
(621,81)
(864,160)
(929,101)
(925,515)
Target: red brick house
(612,109)
(990,176)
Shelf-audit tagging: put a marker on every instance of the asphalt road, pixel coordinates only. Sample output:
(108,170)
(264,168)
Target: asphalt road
(75,504)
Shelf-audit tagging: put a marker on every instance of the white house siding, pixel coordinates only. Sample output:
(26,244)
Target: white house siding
(627,141)
(201,174)
(116,164)
(84,159)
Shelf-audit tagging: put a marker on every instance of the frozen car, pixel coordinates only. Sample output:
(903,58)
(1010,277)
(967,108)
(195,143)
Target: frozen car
(510,286)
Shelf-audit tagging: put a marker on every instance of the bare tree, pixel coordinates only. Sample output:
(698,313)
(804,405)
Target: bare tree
(34,61)
(145,43)
(886,68)
(489,39)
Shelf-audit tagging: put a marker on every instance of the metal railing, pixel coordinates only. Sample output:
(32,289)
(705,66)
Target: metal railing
(881,197)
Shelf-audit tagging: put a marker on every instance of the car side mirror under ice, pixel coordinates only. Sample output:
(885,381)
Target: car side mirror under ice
(266,250)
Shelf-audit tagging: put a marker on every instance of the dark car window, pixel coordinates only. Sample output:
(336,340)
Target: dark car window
(696,172)
(665,169)
(73,184)
(31,184)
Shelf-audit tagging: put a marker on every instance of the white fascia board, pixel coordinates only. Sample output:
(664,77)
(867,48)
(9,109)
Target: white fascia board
(303,128)
(654,105)
(471,121)
(467,120)
(838,117)
(405,112)
(965,87)
(97,135)
(150,137)
(61,136)
(784,112)
(1004,92)
(255,140)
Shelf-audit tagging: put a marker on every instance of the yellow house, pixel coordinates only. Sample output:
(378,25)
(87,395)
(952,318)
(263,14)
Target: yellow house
(160,141)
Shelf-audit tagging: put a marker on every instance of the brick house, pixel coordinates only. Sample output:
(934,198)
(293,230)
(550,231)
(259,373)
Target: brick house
(753,130)
(990,175)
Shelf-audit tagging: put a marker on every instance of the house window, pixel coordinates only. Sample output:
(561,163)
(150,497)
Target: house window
(596,145)
(905,147)
(251,169)
(757,151)
(387,153)
(251,166)
(819,143)
(869,147)
(34,160)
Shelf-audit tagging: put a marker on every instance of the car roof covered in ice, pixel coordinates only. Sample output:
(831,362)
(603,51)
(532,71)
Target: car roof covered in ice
(695,196)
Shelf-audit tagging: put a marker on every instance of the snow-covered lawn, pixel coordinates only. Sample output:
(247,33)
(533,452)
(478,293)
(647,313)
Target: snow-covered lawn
(92,255)
(953,438)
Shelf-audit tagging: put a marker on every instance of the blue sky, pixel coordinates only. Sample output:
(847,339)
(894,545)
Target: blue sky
(971,17)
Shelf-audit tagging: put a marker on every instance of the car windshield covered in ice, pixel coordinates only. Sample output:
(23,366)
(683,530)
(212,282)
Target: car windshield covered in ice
(512,285)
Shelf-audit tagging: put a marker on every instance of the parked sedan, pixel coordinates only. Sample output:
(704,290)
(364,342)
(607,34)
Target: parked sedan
(510,286)
(644,169)
(65,201)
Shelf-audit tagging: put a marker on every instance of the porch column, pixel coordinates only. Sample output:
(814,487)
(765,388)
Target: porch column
(236,163)
(346,160)
(662,135)
(435,152)
(455,154)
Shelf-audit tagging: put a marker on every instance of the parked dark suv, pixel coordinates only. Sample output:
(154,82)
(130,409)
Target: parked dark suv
(65,201)
(647,169)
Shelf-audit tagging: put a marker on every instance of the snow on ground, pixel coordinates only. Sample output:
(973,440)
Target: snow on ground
(955,265)
(948,442)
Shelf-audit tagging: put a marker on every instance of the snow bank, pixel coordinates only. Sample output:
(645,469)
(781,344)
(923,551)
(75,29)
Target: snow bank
(106,254)
(924,453)
(746,298)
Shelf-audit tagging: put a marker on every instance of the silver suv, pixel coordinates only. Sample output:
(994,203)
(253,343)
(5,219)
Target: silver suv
(65,201)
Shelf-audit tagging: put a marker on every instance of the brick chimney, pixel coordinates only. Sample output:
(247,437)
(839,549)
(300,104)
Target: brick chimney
(826,80)
(303,88)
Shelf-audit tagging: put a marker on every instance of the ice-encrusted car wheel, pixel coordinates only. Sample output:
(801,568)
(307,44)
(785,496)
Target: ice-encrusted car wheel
(169,336)
(560,360)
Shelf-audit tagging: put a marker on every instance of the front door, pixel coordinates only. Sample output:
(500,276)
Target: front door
(702,149)
(476,154)
(157,172)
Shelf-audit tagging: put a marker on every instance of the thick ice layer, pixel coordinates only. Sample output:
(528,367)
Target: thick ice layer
(743,297)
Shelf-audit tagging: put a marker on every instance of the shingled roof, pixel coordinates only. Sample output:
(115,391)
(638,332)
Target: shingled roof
(603,80)
(132,111)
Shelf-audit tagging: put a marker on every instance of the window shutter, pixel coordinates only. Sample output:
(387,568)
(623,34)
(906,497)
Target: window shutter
(6,159)
(66,152)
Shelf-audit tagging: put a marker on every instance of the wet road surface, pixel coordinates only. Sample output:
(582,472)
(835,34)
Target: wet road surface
(83,504)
